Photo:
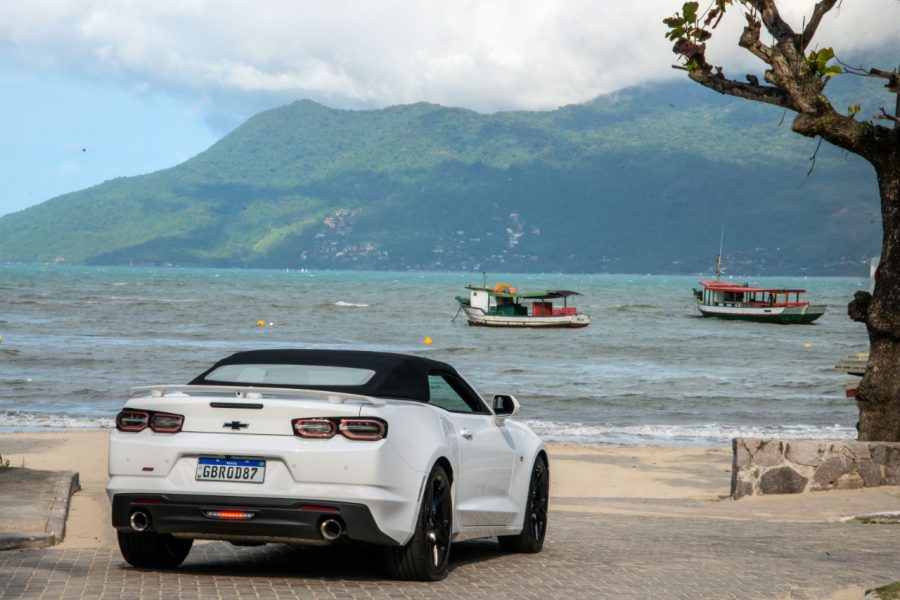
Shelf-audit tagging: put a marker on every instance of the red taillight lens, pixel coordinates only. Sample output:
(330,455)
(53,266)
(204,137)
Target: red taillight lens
(352,428)
(315,428)
(166,423)
(363,429)
(132,420)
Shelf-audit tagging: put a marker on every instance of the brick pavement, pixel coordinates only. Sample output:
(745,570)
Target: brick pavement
(586,556)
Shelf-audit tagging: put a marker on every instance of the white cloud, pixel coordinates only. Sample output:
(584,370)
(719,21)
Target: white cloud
(483,54)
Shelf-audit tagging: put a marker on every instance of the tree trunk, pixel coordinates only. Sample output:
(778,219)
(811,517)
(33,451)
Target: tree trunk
(878,395)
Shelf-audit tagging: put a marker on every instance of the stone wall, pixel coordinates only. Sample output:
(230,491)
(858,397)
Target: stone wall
(796,466)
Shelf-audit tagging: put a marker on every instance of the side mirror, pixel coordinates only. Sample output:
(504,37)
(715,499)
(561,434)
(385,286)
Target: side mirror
(505,405)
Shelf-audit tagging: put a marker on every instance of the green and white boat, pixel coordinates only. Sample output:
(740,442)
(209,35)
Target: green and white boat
(506,306)
(727,300)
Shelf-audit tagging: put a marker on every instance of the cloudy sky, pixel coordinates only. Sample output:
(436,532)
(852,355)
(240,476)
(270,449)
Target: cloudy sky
(98,89)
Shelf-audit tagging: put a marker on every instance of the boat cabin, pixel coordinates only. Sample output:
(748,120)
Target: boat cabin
(506,300)
(721,293)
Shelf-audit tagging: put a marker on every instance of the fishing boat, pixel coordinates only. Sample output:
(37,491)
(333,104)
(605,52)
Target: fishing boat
(727,300)
(505,306)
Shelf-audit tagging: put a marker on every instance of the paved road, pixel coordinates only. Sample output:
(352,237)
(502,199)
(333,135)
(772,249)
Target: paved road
(586,556)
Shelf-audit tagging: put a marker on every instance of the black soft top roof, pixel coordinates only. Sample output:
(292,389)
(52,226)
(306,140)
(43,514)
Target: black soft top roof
(396,375)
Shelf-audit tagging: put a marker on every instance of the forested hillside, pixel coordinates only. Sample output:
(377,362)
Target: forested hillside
(618,184)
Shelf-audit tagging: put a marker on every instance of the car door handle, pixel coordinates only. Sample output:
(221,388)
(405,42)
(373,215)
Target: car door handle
(465,433)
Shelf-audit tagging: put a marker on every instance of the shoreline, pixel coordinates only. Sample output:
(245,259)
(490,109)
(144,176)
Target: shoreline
(795,432)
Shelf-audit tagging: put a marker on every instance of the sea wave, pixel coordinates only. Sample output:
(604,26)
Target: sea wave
(38,421)
(351,304)
(701,434)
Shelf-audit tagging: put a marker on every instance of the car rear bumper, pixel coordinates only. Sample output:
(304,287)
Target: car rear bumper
(271,519)
(337,472)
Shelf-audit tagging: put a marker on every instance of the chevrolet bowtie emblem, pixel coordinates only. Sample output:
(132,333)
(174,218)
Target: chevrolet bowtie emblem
(236,425)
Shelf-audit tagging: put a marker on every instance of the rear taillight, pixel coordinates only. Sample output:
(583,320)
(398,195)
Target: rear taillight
(368,429)
(314,428)
(132,420)
(166,423)
(363,429)
(139,420)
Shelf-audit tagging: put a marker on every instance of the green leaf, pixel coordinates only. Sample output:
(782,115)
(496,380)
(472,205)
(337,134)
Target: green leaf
(689,10)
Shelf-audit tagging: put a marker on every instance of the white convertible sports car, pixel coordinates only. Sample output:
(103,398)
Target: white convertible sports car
(323,446)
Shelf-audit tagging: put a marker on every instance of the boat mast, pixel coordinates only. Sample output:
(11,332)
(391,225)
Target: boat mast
(719,258)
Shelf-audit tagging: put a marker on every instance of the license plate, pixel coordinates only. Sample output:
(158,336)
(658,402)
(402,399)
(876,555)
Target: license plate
(231,469)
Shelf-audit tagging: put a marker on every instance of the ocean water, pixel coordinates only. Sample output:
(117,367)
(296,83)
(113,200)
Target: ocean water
(648,370)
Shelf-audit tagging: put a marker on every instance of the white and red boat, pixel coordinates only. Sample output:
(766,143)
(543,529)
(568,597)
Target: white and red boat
(505,306)
(727,300)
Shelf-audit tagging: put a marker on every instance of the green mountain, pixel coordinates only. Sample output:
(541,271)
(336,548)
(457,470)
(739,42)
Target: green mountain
(642,180)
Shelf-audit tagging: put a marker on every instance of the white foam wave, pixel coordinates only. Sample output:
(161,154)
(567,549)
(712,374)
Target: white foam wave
(351,304)
(677,435)
(27,421)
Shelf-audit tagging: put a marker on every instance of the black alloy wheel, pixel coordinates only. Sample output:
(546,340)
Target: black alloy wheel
(534,528)
(427,554)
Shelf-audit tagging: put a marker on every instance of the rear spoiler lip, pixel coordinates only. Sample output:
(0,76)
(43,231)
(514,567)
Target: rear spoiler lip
(250,392)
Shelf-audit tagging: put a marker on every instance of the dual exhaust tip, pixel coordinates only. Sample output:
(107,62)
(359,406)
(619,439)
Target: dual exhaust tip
(329,529)
(139,520)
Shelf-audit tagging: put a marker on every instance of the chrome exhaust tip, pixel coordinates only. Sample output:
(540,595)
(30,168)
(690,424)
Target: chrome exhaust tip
(139,520)
(331,529)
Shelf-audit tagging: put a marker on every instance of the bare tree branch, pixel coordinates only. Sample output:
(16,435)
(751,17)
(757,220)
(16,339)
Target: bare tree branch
(859,71)
(887,116)
(750,40)
(813,159)
(819,11)
(771,18)
(750,91)
(893,78)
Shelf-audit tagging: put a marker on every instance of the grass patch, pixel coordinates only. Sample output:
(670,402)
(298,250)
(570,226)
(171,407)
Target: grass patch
(890,591)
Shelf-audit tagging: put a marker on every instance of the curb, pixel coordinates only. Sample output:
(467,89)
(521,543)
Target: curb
(64,486)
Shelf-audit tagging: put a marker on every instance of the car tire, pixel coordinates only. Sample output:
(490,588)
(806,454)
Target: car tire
(426,555)
(153,550)
(534,527)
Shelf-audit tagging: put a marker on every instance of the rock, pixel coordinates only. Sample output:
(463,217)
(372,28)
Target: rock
(769,454)
(849,481)
(857,450)
(739,489)
(783,480)
(741,454)
(804,453)
(751,444)
(891,476)
(885,455)
(870,472)
(832,468)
